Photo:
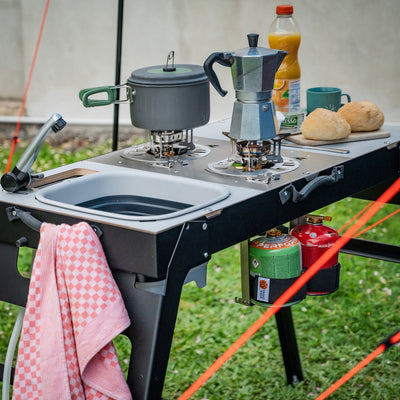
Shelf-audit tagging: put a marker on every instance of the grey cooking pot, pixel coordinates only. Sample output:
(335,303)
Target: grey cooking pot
(161,97)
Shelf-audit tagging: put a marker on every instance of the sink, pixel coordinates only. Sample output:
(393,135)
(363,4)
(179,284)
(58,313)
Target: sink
(136,196)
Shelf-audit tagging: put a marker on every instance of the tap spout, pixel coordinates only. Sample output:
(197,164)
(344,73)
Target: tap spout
(54,123)
(20,176)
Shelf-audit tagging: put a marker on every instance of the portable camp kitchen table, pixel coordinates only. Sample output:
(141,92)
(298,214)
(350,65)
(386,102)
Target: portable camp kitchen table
(152,260)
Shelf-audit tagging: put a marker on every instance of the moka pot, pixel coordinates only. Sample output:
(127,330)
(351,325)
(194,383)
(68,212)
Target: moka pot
(253,73)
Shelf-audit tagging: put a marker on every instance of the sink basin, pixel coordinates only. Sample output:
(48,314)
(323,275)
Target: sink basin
(136,196)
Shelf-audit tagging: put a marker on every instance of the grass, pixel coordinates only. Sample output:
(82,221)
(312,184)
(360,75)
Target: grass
(334,332)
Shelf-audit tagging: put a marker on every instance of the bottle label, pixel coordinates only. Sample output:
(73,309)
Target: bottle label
(286,94)
(292,121)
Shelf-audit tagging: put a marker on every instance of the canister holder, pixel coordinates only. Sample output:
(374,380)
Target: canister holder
(245,275)
(284,323)
(325,281)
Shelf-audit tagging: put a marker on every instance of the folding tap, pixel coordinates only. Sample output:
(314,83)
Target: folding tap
(21,175)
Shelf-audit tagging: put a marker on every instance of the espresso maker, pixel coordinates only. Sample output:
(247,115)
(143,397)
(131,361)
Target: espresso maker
(253,73)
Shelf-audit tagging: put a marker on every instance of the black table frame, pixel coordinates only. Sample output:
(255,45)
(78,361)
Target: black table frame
(175,252)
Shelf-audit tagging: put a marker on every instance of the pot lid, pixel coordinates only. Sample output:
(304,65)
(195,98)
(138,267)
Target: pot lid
(158,75)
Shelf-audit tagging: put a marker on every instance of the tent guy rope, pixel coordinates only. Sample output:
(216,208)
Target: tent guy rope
(21,111)
(370,211)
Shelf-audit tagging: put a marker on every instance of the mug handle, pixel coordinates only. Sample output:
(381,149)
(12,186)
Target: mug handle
(348,97)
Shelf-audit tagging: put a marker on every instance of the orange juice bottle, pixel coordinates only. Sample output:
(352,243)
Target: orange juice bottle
(284,34)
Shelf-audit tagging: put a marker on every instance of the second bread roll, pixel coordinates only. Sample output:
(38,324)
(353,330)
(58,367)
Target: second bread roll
(362,116)
(324,124)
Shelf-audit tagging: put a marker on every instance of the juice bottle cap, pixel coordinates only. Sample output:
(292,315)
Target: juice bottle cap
(284,9)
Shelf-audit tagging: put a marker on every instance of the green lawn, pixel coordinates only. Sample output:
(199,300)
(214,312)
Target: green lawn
(334,332)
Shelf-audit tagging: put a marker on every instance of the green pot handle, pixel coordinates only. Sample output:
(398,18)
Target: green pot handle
(84,96)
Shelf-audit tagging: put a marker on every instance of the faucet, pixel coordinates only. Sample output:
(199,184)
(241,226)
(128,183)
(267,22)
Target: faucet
(21,175)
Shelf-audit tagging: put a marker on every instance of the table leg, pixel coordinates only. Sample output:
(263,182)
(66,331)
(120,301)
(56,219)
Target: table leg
(153,311)
(290,352)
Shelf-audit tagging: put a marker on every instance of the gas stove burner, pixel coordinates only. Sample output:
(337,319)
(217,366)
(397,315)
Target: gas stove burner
(163,148)
(170,143)
(253,148)
(258,160)
(253,155)
(235,167)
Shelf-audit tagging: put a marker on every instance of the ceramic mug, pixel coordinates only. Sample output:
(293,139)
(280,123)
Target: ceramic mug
(325,97)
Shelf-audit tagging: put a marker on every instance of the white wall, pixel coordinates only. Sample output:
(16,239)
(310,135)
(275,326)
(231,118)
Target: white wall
(11,59)
(351,44)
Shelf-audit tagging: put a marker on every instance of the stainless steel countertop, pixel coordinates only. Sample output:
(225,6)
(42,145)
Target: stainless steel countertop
(311,162)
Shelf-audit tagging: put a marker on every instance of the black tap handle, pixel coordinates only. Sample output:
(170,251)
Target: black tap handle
(253,39)
(15,180)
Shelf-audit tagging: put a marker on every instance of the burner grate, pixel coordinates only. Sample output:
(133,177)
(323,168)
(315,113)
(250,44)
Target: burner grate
(233,167)
(143,153)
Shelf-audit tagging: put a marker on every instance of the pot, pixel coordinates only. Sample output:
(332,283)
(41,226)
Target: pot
(161,98)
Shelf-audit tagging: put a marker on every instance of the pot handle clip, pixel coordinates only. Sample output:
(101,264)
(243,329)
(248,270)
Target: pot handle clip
(112,94)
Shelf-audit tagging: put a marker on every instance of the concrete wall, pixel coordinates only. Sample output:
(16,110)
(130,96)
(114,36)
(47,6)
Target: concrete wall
(351,44)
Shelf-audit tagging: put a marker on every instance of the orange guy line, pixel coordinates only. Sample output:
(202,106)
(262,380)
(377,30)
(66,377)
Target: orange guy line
(377,223)
(21,111)
(379,350)
(355,216)
(301,281)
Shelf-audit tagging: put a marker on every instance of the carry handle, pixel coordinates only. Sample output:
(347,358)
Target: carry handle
(84,96)
(111,91)
(15,214)
(291,192)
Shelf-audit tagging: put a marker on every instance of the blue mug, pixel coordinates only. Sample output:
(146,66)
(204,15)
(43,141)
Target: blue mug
(325,97)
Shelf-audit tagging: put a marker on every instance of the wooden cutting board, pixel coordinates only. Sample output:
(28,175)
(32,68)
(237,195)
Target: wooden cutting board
(72,173)
(354,137)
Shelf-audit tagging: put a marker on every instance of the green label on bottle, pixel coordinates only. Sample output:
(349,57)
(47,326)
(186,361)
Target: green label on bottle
(292,122)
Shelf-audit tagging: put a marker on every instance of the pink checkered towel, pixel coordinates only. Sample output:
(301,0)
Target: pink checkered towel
(74,310)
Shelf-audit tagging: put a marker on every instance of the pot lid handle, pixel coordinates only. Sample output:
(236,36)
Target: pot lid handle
(170,58)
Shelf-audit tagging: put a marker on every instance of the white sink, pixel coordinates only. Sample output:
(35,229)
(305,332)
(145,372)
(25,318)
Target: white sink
(133,195)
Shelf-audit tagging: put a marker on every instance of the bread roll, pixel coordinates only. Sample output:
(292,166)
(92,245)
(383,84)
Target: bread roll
(324,124)
(362,116)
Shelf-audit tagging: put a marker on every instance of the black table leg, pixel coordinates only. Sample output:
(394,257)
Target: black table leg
(153,309)
(290,352)
(153,319)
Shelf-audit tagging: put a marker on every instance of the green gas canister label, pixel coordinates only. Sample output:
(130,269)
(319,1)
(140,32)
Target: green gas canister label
(274,264)
(275,258)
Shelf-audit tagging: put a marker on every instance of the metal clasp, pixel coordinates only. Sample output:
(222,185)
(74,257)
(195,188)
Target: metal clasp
(130,93)
(170,58)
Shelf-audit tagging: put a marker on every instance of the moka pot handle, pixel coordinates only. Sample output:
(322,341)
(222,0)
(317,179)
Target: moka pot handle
(224,59)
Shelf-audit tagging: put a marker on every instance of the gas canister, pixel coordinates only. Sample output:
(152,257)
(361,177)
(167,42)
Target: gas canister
(316,239)
(275,264)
